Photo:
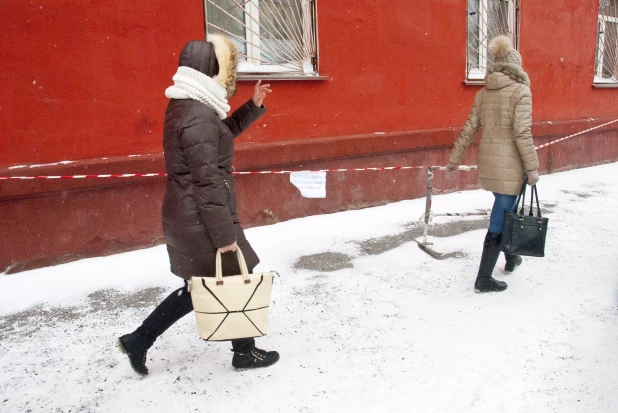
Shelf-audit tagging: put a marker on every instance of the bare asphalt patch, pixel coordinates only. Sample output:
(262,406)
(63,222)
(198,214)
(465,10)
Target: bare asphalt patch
(25,323)
(324,261)
(334,261)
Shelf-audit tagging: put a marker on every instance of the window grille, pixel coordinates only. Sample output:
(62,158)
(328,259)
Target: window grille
(486,20)
(273,36)
(606,65)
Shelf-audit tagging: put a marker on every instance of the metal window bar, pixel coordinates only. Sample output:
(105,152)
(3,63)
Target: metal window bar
(273,36)
(485,20)
(252,25)
(606,64)
(252,28)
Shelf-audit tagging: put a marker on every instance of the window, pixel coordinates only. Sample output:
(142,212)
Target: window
(273,36)
(606,65)
(487,19)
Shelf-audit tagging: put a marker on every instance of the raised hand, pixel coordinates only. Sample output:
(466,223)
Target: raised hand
(259,93)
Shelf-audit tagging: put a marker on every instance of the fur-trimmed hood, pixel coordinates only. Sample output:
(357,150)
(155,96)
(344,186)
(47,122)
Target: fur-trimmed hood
(227,57)
(216,58)
(512,72)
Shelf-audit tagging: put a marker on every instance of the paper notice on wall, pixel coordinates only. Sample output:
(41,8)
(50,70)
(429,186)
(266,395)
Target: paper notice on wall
(311,184)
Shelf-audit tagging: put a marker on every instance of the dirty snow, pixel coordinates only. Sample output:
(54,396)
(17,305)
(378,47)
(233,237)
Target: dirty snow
(397,331)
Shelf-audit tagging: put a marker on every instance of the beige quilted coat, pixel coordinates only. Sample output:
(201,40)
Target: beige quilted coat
(503,108)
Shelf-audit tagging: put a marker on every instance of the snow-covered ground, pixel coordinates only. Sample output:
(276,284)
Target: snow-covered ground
(395,332)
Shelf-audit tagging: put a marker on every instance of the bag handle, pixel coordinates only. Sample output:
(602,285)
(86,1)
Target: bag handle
(522,197)
(534,194)
(538,207)
(244,271)
(539,218)
(530,213)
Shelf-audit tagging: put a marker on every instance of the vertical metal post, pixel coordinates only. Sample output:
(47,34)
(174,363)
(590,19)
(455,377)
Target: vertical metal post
(428,203)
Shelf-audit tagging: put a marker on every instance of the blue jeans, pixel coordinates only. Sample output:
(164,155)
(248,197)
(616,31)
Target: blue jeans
(502,203)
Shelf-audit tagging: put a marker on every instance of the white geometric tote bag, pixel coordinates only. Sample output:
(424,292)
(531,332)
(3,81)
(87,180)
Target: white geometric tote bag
(231,307)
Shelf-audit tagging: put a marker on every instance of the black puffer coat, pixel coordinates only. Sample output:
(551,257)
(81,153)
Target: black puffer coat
(200,212)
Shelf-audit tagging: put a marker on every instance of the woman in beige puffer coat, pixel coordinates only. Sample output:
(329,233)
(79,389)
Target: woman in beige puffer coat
(503,109)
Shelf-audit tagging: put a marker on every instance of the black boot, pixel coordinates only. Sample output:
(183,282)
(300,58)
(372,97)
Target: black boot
(491,251)
(254,358)
(512,261)
(136,349)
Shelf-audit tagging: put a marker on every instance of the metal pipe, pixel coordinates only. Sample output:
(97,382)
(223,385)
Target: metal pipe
(428,198)
(428,203)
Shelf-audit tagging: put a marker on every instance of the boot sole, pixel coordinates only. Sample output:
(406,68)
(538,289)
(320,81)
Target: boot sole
(124,351)
(476,290)
(253,368)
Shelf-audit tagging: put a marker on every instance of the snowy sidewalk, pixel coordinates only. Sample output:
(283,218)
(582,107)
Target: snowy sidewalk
(389,330)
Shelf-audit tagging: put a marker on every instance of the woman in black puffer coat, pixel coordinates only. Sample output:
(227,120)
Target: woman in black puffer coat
(200,212)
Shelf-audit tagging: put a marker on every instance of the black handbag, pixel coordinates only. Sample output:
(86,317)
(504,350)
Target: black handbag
(525,234)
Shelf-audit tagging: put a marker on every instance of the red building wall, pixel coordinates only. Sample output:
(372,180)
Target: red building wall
(84,81)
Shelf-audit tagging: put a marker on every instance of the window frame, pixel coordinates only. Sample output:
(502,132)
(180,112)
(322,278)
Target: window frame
(253,67)
(477,75)
(600,52)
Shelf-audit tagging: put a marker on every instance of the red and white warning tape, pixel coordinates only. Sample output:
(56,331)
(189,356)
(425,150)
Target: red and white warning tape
(575,134)
(83,176)
(386,168)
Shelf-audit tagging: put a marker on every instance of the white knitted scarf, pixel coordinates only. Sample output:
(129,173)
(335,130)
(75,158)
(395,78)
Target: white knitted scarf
(191,84)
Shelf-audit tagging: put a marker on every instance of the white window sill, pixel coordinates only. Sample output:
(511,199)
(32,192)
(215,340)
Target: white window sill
(605,85)
(279,76)
(474,82)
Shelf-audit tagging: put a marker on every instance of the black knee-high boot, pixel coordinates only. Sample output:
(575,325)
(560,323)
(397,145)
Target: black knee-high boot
(512,261)
(491,251)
